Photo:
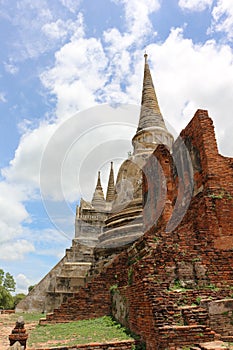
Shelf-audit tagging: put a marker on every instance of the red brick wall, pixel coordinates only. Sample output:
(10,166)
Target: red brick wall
(185,254)
(120,345)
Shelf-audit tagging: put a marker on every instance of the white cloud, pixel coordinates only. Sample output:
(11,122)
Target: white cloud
(195,5)
(24,169)
(200,77)
(61,29)
(50,241)
(22,283)
(136,9)
(81,146)
(11,68)
(137,17)
(28,18)
(123,49)
(56,30)
(71,5)
(223,18)
(83,72)
(15,249)
(3,97)
(39,27)
(13,212)
(77,75)
(109,69)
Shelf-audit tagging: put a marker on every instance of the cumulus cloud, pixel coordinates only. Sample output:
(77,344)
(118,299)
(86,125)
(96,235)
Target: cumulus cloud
(60,29)
(71,5)
(223,18)
(137,30)
(13,212)
(195,5)
(39,27)
(200,77)
(22,283)
(63,155)
(15,250)
(52,156)
(24,169)
(137,16)
(77,75)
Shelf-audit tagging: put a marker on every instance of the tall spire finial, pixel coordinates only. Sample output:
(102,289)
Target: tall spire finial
(98,200)
(98,181)
(150,115)
(111,187)
(151,129)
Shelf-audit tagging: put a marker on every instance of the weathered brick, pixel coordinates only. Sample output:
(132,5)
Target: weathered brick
(185,255)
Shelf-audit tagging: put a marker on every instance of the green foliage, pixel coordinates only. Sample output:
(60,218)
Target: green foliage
(130,276)
(220,195)
(102,330)
(196,259)
(7,285)
(18,297)
(113,288)
(9,282)
(6,299)
(212,287)
(177,286)
(225,313)
(30,288)
(216,196)
(140,346)
(30,316)
(1,277)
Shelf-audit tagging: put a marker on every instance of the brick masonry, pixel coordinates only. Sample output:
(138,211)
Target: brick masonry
(120,345)
(162,286)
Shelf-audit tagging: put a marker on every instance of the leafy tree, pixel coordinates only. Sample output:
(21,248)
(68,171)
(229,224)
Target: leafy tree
(7,285)
(6,299)
(1,277)
(30,288)
(18,297)
(9,282)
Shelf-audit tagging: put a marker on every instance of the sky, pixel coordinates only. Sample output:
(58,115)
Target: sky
(70,87)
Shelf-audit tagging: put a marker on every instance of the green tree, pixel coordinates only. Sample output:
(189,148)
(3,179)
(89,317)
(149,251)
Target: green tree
(30,288)
(6,299)
(18,297)
(7,285)
(9,282)
(1,277)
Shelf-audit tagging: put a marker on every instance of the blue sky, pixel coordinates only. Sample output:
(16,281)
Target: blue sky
(70,85)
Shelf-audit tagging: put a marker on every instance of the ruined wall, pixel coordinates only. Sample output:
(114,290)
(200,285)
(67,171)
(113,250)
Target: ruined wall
(35,300)
(157,285)
(61,282)
(119,345)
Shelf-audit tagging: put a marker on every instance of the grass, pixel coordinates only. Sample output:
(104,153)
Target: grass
(101,330)
(10,319)
(30,317)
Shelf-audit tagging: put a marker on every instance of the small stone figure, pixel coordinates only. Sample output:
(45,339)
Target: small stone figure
(19,334)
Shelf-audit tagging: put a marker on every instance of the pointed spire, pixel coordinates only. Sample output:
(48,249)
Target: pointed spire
(111,187)
(150,115)
(151,129)
(98,196)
